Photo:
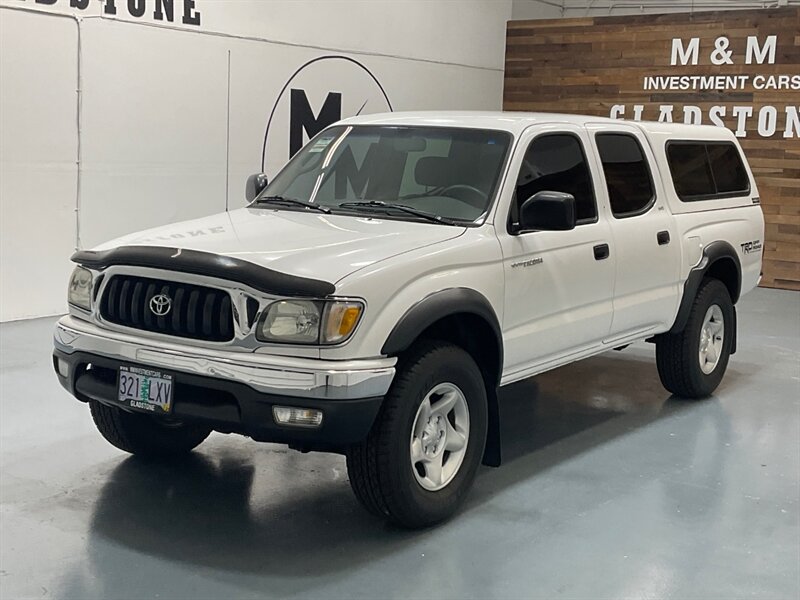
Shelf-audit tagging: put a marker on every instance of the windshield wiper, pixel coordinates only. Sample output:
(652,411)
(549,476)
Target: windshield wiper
(379,204)
(295,201)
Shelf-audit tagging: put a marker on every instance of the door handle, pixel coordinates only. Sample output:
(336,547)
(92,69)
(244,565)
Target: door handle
(601,252)
(663,238)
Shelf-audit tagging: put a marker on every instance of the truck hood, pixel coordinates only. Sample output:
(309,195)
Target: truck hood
(318,246)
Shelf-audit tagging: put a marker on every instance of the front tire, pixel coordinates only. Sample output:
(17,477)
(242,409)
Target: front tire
(143,435)
(691,363)
(421,456)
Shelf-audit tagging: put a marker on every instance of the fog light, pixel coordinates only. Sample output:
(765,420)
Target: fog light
(63,368)
(299,417)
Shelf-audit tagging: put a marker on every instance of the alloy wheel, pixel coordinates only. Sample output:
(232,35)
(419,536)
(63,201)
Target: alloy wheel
(712,335)
(439,436)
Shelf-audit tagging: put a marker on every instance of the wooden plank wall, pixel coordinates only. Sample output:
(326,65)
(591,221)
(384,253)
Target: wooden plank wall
(589,65)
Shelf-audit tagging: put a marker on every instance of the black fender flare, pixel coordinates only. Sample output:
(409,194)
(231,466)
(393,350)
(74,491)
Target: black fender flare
(711,254)
(441,304)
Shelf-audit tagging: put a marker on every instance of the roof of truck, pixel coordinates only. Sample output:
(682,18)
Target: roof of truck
(516,122)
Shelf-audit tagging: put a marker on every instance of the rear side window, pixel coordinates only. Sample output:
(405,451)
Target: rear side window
(630,187)
(707,170)
(557,163)
(728,170)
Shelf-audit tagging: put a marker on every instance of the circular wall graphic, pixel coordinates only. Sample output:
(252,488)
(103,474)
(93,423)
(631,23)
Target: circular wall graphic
(319,93)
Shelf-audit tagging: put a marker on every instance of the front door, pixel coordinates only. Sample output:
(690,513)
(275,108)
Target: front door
(559,284)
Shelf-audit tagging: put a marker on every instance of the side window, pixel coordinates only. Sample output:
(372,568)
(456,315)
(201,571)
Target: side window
(728,170)
(691,172)
(707,170)
(557,163)
(630,186)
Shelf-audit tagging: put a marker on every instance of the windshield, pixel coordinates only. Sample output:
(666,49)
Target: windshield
(398,172)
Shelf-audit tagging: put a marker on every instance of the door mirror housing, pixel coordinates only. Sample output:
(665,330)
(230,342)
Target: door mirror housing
(548,211)
(255,185)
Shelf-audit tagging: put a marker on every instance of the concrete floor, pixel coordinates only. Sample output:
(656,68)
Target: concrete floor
(610,490)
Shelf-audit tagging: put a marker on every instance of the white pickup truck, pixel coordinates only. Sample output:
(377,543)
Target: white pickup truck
(371,299)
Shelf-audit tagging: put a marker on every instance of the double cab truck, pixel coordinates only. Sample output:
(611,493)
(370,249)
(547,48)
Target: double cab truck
(372,298)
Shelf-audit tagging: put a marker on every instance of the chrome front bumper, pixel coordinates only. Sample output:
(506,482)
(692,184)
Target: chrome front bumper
(270,374)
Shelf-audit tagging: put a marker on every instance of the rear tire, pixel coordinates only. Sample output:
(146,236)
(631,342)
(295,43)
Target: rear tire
(421,456)
(142,435)
(691,363)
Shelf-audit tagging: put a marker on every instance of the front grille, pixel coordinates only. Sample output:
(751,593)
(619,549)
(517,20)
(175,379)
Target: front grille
(195,312)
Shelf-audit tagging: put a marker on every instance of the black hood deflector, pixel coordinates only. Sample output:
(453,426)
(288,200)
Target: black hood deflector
(209,264)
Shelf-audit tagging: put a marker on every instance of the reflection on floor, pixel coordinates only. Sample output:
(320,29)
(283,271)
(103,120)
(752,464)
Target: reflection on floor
(609,489)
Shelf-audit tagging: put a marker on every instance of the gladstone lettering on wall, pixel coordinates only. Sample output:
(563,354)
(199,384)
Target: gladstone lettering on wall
(164,11)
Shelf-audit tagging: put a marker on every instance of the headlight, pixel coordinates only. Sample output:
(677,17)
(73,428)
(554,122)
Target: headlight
(80,288)
(309,321)
(292,321)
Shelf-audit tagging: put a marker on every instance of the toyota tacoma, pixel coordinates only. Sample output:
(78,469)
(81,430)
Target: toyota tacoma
(373,296)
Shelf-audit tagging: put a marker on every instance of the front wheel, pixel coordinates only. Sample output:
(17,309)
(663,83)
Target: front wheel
(420,458)
(691,363)
(143,435)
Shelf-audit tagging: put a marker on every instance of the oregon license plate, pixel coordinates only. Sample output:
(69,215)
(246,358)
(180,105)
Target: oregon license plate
(145,389)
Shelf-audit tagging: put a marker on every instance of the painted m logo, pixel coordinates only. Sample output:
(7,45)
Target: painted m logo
(301,117)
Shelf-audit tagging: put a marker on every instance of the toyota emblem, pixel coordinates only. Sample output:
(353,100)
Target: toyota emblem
(160,304)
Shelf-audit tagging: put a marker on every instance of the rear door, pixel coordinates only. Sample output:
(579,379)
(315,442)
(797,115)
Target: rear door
(559,284)
(645,238)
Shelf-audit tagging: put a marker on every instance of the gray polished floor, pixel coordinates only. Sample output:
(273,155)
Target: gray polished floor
(610,490)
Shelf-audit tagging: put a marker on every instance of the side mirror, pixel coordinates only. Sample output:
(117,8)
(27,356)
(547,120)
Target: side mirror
(255,185)
(548,211)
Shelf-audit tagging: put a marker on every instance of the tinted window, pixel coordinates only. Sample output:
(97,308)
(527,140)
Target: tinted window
(691,171)
(726,165)
(705,171)
(557,163)
(630,187)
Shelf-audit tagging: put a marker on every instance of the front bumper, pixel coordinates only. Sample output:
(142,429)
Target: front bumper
(230,391)
(270,374)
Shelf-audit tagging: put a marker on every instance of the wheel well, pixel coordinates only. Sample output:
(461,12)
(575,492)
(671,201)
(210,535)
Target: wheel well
(473,334)
(721,263)
(725,270)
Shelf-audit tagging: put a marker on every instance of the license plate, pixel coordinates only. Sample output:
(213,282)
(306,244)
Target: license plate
(145,389)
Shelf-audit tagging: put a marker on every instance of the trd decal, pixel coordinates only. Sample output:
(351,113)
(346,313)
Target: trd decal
(754,246)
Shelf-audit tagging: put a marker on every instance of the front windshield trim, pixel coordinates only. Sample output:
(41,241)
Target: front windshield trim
(347,128)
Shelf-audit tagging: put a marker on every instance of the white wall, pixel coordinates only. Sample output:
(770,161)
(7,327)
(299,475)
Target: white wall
(38,169)
(172,115)
(522,10)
